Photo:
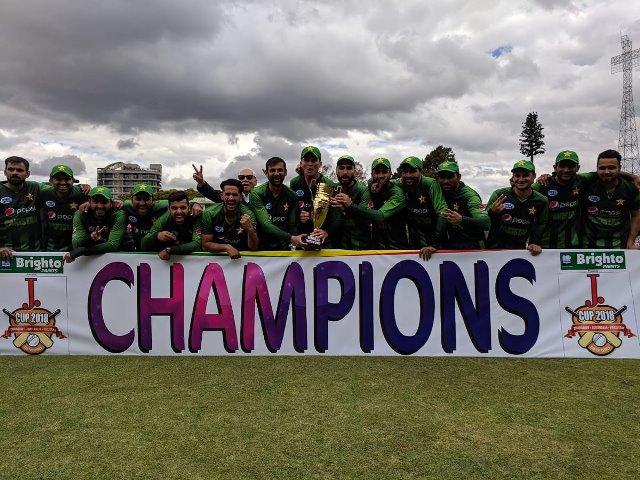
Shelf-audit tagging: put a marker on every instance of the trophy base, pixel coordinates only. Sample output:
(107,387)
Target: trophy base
(313,243)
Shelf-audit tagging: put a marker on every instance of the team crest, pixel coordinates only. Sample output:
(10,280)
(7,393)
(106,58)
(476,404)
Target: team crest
(32,325)
(599,325)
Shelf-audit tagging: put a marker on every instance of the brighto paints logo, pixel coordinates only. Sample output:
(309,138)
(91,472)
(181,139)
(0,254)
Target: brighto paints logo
(610,260)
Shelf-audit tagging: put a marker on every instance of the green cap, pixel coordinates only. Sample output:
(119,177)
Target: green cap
(346,158)
(568,155)
(311,149)
(61,169)
(524,165)
(101,191)
(381,161)
(142,188)
(413,162)
(448,167)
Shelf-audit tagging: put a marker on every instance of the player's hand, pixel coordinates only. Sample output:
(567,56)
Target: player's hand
(68,258)
(233,252)
(498,205)
(97,234)
(196,209)
(166,236)
(534,249)
(84,208)
(197,175)
(544,179)
(6,253)
(319,233)
(453,217)
(164,255)
(117,204)
(426,252)
(85,188)
(341,200)
(299,241)
(304,216)
(245,222)
(375,187)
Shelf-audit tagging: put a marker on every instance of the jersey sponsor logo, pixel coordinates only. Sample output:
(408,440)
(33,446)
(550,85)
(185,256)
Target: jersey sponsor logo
(592,210)
(610,213)
(552,193)
(555,205)
(11,211)
(594,198)
(6,200)
(300,193)
(277,219)
(419,210)
(506,218)
(369,204)
(300,204)
(509,206)
(51,215)
(522,221)
(268,206)
(133,219)
(50,203)
(59,216)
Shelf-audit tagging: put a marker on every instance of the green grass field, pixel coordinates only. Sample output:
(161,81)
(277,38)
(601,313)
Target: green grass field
(318,417)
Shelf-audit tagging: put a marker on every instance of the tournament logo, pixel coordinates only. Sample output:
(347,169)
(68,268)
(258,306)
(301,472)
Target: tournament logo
(218,228)
(598,325)
(594,198)
(6,200)
(300,193)
(509,206)
(133,219)
(50,203)
(268,206)
(552,193)
(31,325)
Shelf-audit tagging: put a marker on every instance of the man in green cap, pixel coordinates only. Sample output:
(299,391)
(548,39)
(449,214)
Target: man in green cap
(59,205)
(518,214)
(382,205)
(356,231)
(610,206)
(305,186)
(466,217)
(276,209)
(101,229)
(142,210)
(424,205)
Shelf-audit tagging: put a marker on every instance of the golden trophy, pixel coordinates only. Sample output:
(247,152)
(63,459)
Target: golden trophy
(321,205)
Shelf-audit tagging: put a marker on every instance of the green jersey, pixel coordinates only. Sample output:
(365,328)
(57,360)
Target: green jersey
(384,210)
(276,217)
(470,232)
(19,217)
(140,225)
(564,226)
(606,217)
(115,238)
(305,197)
(187,235)
(227,229)
(522,221)
(57,217)
(424,205)
(356,230)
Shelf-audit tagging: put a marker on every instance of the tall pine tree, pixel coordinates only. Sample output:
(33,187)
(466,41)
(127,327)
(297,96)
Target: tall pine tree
(532,138)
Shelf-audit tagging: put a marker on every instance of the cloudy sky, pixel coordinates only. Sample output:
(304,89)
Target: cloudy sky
(228,84)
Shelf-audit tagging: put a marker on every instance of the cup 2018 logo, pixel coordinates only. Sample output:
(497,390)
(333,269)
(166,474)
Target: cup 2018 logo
(32,325)
(598,325)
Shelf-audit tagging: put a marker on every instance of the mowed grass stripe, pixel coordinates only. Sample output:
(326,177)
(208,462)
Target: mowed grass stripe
(318,417)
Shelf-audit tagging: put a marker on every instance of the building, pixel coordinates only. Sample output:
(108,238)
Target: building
(120,177)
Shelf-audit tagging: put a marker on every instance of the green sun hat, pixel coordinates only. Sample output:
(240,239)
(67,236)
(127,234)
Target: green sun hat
(524,165)
(568,155)
(381,161)
(101,192)
(413,162)
(448,167)
(142,188)
(61,169)
(311,149)
(346,158)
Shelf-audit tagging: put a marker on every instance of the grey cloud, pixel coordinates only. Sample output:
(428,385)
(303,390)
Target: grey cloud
(127,143)
(44,167)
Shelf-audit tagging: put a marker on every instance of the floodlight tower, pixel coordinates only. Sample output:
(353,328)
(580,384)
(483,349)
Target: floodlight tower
(628,140)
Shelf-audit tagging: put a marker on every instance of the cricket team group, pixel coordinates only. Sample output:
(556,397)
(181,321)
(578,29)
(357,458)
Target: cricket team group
(563,209)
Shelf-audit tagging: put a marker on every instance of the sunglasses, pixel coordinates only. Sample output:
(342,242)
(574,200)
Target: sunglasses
(246,177)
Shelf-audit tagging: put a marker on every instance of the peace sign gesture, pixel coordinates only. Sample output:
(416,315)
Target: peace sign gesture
(198,176)
(498,205)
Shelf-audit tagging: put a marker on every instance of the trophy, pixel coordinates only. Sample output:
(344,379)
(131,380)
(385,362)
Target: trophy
(321,205)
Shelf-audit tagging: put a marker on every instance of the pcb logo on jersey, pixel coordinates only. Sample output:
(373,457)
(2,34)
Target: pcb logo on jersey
(598,325)
(32,325)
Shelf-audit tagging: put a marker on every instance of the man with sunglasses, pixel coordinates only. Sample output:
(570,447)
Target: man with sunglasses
(249,181)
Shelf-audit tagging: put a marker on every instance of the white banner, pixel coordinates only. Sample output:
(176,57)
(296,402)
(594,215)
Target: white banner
(572,303)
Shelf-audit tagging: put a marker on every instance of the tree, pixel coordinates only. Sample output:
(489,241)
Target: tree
(436,157)
(531,138)
(329,172)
